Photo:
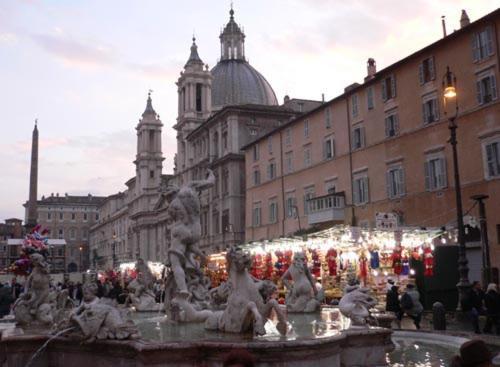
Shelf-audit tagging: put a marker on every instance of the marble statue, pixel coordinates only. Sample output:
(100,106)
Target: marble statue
(356,304)
(33,308)
(185,281)
(141,294)
(94,320)
(249,302)
(302,292)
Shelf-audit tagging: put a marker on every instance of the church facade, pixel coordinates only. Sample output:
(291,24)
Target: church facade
(219,111)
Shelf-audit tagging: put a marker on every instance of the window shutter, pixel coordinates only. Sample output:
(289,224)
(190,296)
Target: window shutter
(388,184)
(393,86)
(493,83)
(355,193)
(475,47)
(384,91)
(479,92)
(442,174)
(325,149)
(366,190)
(435,109)
(424,112)
(489,42)
(387,127)
(490,160)
(396,123)
(401,182)
(432,70)
(427,170)
(333,147)
(362,136)
(421,73)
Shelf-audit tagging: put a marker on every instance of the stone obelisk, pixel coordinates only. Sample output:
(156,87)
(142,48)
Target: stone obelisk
(31,217)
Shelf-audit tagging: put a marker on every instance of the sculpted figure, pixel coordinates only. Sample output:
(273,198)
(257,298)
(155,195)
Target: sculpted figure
(94,320)
(249,301)
(356,304)
(186,281)
(302,292)
(33,307)
(141,294)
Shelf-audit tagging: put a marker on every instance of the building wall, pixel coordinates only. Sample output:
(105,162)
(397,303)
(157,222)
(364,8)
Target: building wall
(413,145)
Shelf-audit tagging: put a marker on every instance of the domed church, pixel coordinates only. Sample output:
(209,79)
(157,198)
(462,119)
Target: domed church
(220,111)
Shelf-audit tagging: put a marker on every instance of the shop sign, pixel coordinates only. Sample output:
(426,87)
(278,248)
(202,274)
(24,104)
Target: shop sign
(386,221)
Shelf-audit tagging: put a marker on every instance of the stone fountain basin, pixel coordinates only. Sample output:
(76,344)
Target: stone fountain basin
(313,340)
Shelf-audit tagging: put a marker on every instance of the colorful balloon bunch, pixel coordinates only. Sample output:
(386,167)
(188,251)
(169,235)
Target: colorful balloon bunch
(35,242)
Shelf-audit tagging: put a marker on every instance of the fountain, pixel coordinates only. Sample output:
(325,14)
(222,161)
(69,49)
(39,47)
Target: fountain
(201,326)
(141,295)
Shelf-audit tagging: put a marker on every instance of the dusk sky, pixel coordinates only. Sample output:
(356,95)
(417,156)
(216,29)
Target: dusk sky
(83,68)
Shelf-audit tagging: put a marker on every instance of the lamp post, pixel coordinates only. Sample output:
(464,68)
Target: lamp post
(81,249)
(113,247)
(484,237)
(449,98)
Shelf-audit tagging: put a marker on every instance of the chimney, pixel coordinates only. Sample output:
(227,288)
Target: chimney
(464,19)
(322,97)
(443,22)
(371,67)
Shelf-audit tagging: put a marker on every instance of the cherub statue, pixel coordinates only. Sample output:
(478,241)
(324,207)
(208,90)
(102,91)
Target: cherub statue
(356,304)
(302,292)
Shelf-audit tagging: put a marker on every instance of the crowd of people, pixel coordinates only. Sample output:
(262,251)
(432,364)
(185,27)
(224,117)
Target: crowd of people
(486,303)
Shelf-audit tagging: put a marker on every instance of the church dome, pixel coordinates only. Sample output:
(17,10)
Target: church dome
(235,82)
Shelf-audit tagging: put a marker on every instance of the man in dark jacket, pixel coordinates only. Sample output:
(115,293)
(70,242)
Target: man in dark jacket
(392,303)
(6,300)
(474,305)
(492,302)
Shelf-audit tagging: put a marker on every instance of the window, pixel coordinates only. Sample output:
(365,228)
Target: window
(271,170)
(256,216)
(358,137)
(328,148)
(354,105)
(73,217)
(85,233)
(49,216)
(482,44)
(435,173)
(60,233)
(225,182)
(328,117)
(430,110)
(72,234)
(151,174)
(226,227)
(289,162)
(388,88)
(426,71)
(96,216)
(306,129)
(331,186)
(307,156)
(270,145)
(291,207)
(215,222)
(391,125)
(255,152)
(492,155)
(308,194)
(224,140)
(288,137)
(273,212)
(198,97)
(369,98)
(395,181)
(256,177)
(486,89)
(61,216)
(360,190)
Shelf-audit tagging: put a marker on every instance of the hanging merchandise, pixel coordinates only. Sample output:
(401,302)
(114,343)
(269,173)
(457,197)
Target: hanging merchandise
(279,264)
(287,260)
(397,266)
(256,266)
(316,264)
(374,260)
(268,273)
(406,265)
(363,267)
(331,258)
(428,261)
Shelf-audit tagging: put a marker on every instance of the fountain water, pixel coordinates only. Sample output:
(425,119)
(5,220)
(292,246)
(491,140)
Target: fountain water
(41,349)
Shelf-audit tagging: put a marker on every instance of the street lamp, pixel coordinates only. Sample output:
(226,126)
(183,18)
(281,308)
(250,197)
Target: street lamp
(449,98)
(113,244)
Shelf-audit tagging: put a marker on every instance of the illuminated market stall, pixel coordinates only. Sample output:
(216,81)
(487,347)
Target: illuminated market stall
(341,253)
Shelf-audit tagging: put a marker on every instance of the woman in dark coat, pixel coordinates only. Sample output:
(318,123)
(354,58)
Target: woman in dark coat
(492,302)
(392,303)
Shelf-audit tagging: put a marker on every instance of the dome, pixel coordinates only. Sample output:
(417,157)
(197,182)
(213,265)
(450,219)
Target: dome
(237,82)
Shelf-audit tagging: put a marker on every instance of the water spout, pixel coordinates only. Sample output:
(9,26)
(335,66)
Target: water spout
(40,350)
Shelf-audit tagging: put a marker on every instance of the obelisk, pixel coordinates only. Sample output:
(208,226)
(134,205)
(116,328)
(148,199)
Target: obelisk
(32,208)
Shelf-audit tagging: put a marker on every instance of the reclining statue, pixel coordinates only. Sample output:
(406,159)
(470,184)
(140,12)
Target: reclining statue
(141,294)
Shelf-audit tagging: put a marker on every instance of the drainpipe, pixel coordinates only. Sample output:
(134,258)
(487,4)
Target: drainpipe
(282,186)
(353,214)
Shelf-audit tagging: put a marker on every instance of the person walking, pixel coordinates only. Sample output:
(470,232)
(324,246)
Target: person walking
(392,304)
(411,305)
(492,303)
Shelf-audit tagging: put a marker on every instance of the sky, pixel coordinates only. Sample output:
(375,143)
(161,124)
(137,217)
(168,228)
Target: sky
(83,68)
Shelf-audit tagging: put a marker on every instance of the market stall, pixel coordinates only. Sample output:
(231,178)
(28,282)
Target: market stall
(340,254)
